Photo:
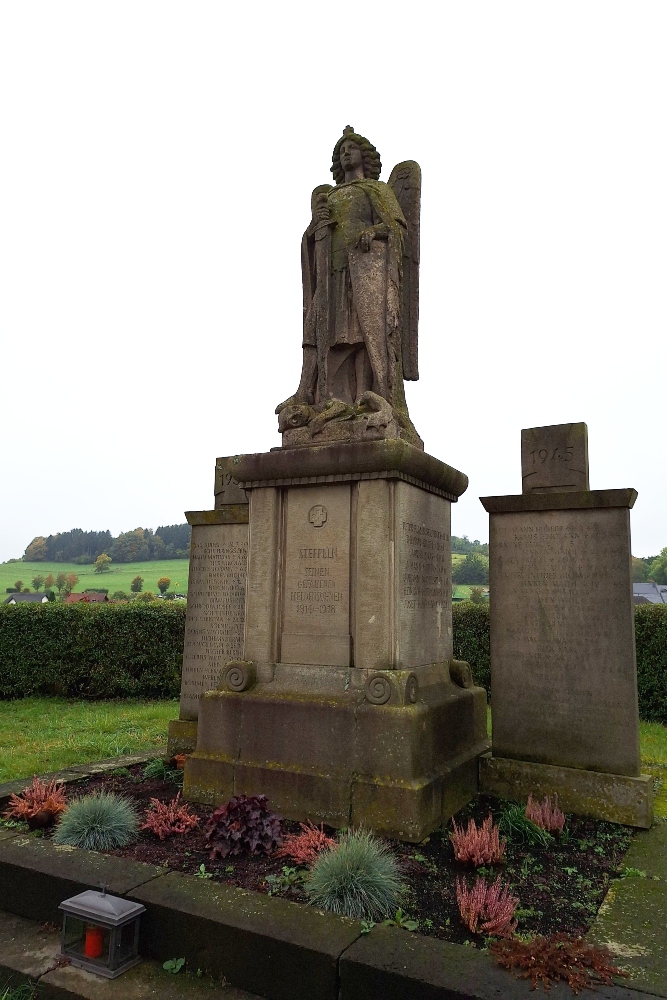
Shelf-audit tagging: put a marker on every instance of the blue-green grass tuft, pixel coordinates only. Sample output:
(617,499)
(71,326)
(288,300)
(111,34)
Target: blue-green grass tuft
(359,877)
(97,822)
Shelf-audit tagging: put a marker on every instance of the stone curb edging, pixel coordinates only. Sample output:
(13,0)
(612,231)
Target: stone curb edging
(265,945)
(77,772)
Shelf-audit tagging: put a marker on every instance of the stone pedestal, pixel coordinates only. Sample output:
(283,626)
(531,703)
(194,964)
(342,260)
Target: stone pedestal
(563,670)
(216,603)
(342,708)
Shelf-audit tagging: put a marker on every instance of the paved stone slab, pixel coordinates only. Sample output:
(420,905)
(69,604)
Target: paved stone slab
(29,952)
(648,852)
(391,964)
(144,981)
(631,923)
(633,917)
(269,946)
(36,875)
(27,949)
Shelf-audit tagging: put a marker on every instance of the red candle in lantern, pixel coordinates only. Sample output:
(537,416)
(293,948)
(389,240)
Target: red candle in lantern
(93,945)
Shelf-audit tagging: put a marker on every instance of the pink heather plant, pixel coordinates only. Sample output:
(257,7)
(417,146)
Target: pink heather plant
(488,906)
(304,847)
(544,814)
(167,819)
(478,847)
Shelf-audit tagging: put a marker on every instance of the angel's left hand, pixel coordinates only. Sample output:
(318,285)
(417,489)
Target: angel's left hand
(365,239)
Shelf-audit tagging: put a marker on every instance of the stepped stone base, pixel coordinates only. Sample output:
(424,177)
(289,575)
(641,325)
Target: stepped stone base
(399,768)
(617,798)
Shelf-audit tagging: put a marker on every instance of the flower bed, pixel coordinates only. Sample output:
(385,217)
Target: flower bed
(559,887)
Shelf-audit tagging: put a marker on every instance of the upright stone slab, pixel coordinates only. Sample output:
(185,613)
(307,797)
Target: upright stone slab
(563,670)
(215,614)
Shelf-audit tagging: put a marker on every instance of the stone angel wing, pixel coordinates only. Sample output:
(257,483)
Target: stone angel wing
(406,183)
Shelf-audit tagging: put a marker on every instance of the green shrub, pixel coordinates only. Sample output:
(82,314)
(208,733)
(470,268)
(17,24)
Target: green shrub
(359,877)
(92,651)
(471,639)
(473,569)
(97,822)
(471,642)
(651,639)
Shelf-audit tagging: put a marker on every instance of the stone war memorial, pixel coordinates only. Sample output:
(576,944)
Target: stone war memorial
(318,664)
(563,670)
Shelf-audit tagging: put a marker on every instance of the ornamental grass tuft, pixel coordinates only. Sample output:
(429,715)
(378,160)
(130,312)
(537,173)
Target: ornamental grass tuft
(97,822)
(520,829)
(358,877)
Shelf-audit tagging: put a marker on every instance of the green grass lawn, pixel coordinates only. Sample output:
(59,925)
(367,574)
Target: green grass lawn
(38,735)
(118,578)
(121,575)
(653,744)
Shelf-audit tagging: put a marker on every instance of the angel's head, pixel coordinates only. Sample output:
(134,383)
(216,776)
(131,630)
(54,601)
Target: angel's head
(354,149)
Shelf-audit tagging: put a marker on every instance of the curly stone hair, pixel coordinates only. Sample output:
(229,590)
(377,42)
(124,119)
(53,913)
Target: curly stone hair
(370,156)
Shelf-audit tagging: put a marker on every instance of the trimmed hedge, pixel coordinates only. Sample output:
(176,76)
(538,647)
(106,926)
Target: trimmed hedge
(470,626)
(136,650)
(471,643)
(651,640)
(92,651)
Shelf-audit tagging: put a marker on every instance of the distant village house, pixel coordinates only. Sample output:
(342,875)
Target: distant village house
(88,597)
(27,599)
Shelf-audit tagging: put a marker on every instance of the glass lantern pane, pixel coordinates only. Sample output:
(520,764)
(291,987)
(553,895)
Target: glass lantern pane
(85,940)
(125,946)
(74,933)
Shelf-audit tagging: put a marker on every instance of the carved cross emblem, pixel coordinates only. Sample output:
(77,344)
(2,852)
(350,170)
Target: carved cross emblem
(317,515)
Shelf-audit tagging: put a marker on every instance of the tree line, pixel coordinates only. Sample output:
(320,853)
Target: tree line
(463,546)
(140,545)
(651,569)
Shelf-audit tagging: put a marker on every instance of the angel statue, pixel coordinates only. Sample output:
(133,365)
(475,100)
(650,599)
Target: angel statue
(360,267)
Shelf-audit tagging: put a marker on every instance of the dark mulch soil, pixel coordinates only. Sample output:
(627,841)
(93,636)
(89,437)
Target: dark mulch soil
(559,888)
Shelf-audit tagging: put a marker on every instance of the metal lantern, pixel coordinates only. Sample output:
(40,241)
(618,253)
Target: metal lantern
(100,932)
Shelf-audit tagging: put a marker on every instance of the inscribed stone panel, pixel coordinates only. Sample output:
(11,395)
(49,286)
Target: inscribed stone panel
(424,578)
(316,607)
(563,672)
(227,489)
(555,458)
(216,608)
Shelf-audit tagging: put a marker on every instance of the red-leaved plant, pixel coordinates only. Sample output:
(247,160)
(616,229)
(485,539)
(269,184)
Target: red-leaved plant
(558,957)
(38,804)
(167,819)
(544,814)
(245,824)
(305,846)
(487,906)
(475,846)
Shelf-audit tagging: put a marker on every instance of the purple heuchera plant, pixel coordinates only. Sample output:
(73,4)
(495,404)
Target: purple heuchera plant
(245,824)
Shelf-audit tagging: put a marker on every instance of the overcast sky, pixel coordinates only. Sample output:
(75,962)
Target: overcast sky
(155,177)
